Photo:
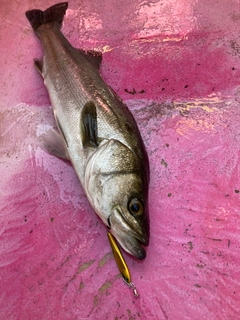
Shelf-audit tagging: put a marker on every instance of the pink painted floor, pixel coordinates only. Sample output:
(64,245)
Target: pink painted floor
(176,64)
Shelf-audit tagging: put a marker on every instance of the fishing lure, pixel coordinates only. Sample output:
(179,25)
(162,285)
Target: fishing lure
(122,266)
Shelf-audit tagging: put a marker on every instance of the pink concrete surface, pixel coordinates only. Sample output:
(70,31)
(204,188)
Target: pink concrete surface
(176,64)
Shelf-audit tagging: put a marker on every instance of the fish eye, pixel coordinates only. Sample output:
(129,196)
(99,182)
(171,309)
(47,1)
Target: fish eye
(135,207)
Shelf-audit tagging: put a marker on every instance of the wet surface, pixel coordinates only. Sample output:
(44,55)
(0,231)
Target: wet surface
(176,64)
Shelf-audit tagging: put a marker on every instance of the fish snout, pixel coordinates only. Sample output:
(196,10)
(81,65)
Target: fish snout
(130,239)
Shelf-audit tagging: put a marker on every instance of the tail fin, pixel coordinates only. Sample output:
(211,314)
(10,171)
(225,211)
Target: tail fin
(52,14)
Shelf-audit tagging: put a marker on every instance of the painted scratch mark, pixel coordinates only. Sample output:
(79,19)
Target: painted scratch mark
(81,286)
(229,243)
(66,260)
(13,125)
(214,239)
(173,39)
(105,259)
(186,125)
(84,266)
(196,105)
(105,286)
(31,156)
(118,276)
(10,23)
(163,311)
(95,303)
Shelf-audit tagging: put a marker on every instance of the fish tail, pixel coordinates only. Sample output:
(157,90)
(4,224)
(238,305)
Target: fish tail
(53,14)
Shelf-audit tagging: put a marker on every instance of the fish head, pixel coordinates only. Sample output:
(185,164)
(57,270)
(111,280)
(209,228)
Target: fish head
(116,184)
(128,207)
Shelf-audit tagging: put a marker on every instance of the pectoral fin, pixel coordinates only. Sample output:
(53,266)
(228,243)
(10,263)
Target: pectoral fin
(54,144)
(88,125)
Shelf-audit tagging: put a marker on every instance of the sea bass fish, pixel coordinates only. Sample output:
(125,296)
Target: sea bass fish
(97,133)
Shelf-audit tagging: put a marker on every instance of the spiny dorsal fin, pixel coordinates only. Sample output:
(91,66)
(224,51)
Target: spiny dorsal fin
(88,125)
(94,57)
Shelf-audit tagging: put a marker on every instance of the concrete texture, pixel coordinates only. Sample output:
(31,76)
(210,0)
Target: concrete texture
(176,64)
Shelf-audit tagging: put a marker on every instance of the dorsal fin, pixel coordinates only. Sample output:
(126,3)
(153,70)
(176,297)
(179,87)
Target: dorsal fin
(94,57)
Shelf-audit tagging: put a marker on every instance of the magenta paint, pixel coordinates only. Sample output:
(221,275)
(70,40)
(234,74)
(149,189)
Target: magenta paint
(176,65)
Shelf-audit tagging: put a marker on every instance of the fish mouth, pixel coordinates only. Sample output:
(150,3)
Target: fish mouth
(130,239)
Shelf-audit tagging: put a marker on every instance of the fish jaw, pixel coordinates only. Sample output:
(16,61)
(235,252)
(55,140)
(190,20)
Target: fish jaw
(130,240)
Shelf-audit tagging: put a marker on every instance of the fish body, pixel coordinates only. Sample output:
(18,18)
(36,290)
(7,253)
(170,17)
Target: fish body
(97,133)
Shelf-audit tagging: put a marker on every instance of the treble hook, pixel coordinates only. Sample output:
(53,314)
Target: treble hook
(131,286)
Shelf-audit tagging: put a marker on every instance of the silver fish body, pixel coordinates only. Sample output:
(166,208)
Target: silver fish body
(98,134)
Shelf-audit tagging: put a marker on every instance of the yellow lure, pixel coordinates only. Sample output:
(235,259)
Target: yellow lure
(122,266)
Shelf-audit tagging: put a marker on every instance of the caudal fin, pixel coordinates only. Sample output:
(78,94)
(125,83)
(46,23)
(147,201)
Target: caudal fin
(52,14)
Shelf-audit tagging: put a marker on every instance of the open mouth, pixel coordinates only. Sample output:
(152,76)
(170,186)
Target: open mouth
(133,246)
(129,239)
